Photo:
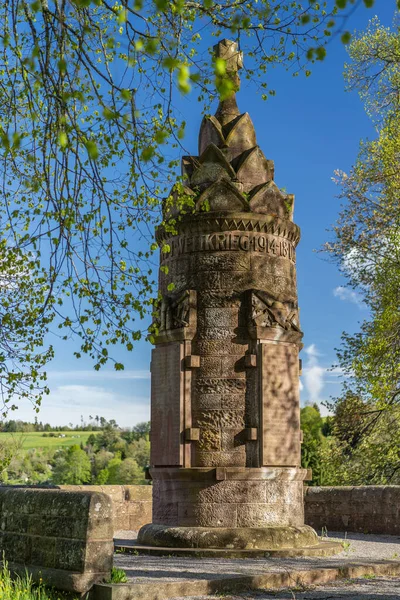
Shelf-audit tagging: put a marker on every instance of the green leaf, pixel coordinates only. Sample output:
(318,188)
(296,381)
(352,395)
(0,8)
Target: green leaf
(147,153)
(171,63)
(62,65)
(321,53)
(341,3)
(62,139)
(161,135)
(110,114)
(82,3)
(92,149)
(346,37)
(119,366)
(369,3)
(220,66)
(183,79)
(126,95)
(151,46)
(121,17)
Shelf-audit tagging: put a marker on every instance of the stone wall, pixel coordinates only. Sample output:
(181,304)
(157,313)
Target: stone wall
(131,504)
(364,509)
(373,509)
(65,538)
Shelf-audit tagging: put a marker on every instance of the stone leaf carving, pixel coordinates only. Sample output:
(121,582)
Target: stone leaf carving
(222,196)
(177,312)
(213,167)
(266,311)
(268,199)
(188,165)
(234,138)
(240,135)
(254,169)
(210,133)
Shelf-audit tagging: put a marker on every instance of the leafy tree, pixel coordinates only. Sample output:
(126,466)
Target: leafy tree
(101,460)
(313,440)
(129,472)
(113,469)
(85,160)
(102,477)
(367,249)
(72,467)
(140,451)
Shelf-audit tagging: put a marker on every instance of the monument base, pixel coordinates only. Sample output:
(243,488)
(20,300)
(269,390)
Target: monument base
(241,538)
(233,542)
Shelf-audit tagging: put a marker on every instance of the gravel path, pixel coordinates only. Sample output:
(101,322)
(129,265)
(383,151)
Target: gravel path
(357,548)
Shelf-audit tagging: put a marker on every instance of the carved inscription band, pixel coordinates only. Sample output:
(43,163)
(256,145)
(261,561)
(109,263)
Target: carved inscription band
(247,242)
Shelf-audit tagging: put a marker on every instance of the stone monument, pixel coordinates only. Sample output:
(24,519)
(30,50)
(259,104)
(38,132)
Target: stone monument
(225,415)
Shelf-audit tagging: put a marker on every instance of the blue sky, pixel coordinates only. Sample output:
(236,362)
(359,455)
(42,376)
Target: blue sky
(310,128)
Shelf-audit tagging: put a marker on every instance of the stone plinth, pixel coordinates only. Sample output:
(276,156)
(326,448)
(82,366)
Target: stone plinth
(225,411)
(64,538)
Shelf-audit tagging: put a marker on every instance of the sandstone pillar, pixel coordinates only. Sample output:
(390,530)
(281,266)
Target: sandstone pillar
(225,413)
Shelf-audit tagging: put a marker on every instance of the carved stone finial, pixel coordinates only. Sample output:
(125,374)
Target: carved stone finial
(228,51)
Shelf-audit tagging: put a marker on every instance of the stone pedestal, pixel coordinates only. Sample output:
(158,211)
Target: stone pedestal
(225,415)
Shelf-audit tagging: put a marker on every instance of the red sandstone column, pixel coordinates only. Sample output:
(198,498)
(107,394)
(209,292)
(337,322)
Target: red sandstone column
(225,430)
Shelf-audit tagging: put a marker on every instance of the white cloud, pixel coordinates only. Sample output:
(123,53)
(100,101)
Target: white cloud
(101,374)
(316,376)
(66,403)
(348,295)
(313,374)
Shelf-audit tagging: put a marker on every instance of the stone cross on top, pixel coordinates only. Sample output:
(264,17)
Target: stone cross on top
(228,51)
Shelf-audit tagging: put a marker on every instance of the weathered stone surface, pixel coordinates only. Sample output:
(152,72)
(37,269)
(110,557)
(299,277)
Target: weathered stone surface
(207,385)
(232,439)
(236,252)
(208,401)
(267,538)
(167,404)
(253,169)
(231,419)
(235,458)
(217,317)
(131,506)
(233,401)
(233,366)
(268,199)
(222,196)
(47,529)
(220,348)
(165,512)
(223,261)
(264,515)
(365,509)
(210,440)
(280,405)
(207,515)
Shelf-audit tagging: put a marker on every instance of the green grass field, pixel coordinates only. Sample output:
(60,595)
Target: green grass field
(36,439)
